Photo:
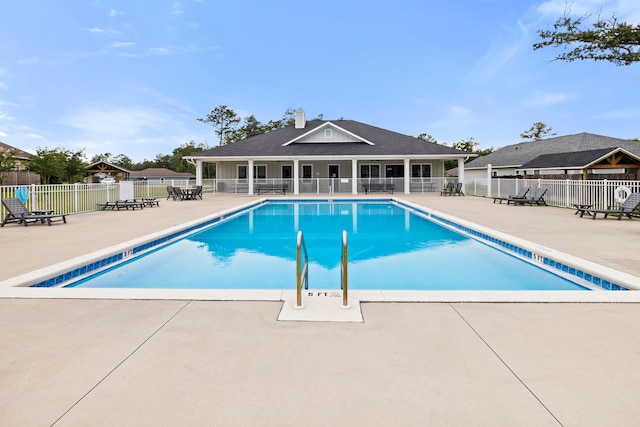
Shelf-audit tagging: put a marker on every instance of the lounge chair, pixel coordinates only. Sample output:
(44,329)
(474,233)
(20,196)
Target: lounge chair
(537,198)
(628,207)
(123,204)
(17,212)
(522,194)
(458,190)
(448,189)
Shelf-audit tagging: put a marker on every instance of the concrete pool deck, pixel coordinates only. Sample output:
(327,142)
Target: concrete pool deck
(188,362)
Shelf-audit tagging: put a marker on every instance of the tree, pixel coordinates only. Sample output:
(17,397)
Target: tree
(74,166)
(537,131)
(162,161)
(251,127)
(178,164)
(50,164)
(123,161)
(224,120)
(427,137)
(8,162)
(607,40)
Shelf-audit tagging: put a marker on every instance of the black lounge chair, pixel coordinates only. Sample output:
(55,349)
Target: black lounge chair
(458,190)
(522,194)
(123,204)
(448,189)
(17,212)
(630,206)
(537,198)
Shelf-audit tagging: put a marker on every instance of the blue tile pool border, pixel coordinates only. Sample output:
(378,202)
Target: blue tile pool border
(108,261)
(525,253)
(481,236)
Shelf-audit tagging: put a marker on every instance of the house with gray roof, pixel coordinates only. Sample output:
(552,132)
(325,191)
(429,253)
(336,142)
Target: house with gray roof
(582,153)
(320,156)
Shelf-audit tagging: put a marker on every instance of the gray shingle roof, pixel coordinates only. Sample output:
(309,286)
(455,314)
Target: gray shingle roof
(518,154)
(386,143)
(576,159)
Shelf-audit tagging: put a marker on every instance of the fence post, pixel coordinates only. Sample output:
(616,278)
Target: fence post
(75,196)
(34,198)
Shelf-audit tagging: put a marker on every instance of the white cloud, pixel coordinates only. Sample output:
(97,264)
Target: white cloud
(94,30)
(117,45)
(113,12)
(159,51)
(458,111)
(625,114)
(543,99)
(501,52)
(138,132)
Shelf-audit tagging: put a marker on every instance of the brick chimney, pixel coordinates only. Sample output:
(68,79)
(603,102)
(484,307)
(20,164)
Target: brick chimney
(300,119)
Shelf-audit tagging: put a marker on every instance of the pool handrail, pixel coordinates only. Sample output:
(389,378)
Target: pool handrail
(344,276)
(302,269)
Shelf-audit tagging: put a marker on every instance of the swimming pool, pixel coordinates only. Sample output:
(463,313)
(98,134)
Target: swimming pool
(391,246)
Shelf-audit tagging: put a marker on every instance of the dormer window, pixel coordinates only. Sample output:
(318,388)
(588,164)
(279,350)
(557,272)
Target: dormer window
(328,133)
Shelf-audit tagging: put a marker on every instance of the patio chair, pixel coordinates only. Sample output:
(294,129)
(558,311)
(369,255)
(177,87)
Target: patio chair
(521,195)
(458,190)
(197,192)
(630,206)
(448,189)
(180,195)
(537,198)
(171,193)
(17,212)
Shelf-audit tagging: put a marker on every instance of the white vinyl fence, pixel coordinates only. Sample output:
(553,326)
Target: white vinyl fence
(561,193)
(78,198)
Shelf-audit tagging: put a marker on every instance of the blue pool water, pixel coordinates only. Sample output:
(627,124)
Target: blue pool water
(390,247)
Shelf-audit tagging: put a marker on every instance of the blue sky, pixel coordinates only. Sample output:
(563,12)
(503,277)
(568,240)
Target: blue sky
(133,77)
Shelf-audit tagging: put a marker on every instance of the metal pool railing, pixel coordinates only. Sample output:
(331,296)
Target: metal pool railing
(302,269)
(344,276)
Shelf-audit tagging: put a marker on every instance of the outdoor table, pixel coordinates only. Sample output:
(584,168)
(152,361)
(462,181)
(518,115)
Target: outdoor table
(582,209)
(188,193)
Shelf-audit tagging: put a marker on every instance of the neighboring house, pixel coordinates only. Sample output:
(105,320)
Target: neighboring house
(322,155)
(20,175)
(158,175)
(584,164)
(581,155)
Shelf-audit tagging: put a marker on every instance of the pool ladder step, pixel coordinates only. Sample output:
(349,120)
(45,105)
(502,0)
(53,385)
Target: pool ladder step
(302,269)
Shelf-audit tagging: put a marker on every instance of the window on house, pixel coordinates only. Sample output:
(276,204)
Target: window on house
(328,133)
(421,170)
(259,171)
(242,172)
(307,171)
(369,171)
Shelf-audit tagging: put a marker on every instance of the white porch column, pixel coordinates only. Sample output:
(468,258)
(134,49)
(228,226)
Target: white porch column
(198,172)
(354,176)
(250,175)
(407,176)
(489,180)
(461,172)
(296,176)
